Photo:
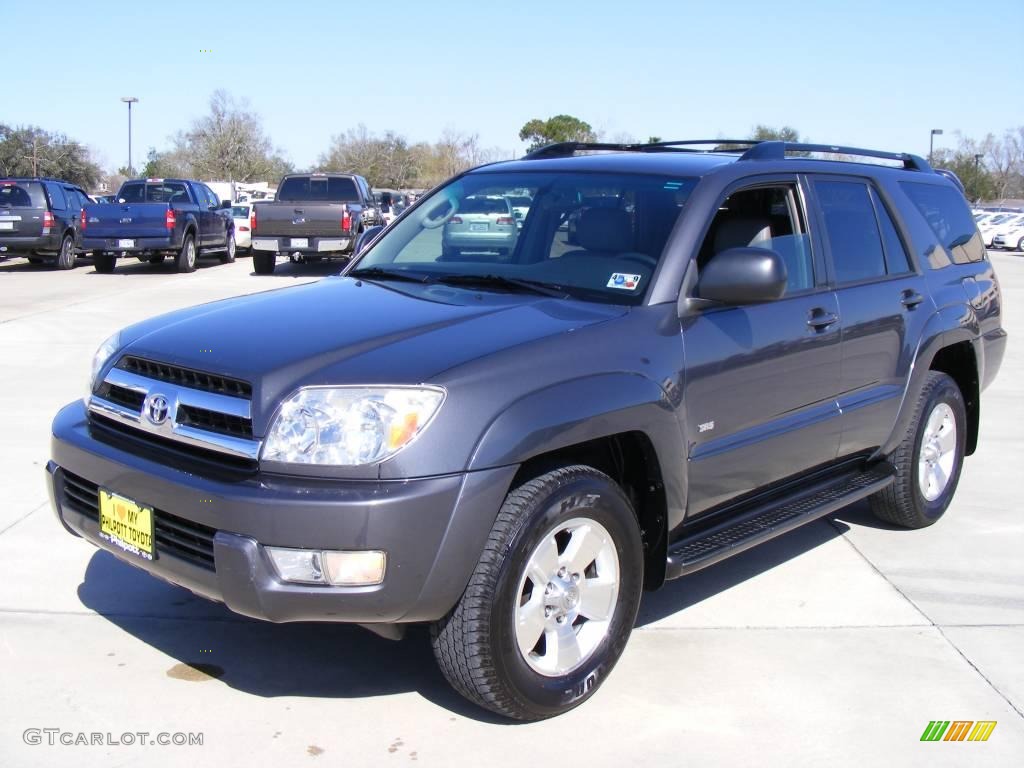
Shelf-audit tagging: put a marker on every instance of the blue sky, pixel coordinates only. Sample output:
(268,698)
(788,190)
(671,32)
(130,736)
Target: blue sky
(870,73)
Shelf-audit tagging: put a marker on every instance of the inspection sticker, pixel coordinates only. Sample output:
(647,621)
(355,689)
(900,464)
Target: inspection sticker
(623,282)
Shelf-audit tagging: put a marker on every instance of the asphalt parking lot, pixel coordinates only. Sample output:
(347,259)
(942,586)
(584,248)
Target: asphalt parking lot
(834,645)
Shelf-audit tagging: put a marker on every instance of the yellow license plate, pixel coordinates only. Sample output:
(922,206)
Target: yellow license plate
(126,524)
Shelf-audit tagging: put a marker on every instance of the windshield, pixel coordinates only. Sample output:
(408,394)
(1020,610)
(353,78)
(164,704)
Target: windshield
(328,189)
(594,236)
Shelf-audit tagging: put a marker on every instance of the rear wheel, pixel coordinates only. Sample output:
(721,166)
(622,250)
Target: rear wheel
(35,259)
(229,254)
(929,460)
(186,261)
(1020,244)
(103,262)
(66,255)
(551,604)
(263,262)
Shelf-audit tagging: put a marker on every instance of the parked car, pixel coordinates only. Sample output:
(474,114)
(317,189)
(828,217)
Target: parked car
(156,218)
(240,214)
(990,227)
(1007,234)
(483,223)
(511,452)
(40,220)
(314,216)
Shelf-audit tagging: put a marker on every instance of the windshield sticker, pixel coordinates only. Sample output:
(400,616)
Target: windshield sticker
(623,282)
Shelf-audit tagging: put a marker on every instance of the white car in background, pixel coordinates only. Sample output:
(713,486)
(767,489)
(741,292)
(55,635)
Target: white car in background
(243,235)
(1010,236)
(990,228)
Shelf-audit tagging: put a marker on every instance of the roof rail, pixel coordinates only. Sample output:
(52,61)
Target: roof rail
(569,148)
(776,150)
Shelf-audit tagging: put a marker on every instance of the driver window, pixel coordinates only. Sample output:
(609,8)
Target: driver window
(763,217)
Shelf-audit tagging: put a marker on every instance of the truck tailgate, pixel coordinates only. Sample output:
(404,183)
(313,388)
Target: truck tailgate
(126,220)
(301,219)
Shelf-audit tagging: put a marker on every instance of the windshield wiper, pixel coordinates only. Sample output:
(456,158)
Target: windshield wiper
(509,283)
(389,274)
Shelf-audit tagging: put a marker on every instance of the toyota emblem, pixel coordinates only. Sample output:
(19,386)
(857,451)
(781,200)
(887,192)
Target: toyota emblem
(156,409)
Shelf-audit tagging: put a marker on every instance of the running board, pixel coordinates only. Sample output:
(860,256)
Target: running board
(704,548)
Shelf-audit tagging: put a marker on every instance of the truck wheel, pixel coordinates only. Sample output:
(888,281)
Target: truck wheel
(229,255)
(263,262)
(66,255)
(550,605)
(104,262)
(929,460)
(186,261)
(157,258)
(35,259)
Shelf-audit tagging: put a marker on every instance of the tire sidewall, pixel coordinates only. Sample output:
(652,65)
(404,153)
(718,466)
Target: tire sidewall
(946,392)
(586,496)
(66,255)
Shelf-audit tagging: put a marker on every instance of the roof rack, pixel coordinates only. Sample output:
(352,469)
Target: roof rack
(776,150)
(569,148)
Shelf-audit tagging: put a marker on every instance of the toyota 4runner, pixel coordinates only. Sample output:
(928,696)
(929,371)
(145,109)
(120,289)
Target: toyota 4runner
(510,444)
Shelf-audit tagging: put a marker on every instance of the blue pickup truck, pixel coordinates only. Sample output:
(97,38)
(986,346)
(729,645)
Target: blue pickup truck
(155,218)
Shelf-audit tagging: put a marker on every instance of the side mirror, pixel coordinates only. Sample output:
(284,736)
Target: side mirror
(743,276)
(365,237)
(225,204)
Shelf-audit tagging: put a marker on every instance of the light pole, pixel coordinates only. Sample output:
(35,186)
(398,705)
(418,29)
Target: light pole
(931,143)
(977,159)
(129,100)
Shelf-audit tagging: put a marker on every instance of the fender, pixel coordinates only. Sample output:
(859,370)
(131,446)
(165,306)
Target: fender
(583,409)
(951,324)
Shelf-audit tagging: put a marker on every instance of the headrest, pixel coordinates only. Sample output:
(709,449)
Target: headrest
(739,232)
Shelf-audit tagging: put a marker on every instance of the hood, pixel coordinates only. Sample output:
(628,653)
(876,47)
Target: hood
(345,331)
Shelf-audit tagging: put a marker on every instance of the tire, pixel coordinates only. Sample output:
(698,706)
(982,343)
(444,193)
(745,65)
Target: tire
(263,262)
(229,255)
(104,262)
(186,259)
(66,254)
(483,646)
(35,259)
(1020,244)
(932,449)
(157,258)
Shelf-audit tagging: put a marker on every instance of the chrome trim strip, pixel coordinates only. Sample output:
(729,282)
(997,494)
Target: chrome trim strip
(176,394)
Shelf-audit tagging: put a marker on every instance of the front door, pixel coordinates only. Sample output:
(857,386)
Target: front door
(762,379)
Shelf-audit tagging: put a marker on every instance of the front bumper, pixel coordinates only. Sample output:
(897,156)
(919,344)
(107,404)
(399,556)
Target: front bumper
(433,529)
(312,244)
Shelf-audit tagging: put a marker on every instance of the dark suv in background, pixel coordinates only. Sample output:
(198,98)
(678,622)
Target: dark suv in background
(511,444)
(41,220)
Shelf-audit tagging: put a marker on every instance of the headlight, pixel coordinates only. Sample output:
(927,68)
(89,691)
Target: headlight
(349,426)
(107,350)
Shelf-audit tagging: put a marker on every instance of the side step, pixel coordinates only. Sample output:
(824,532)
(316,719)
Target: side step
(704,548)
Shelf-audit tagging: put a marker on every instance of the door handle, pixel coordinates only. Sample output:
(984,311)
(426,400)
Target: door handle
(911,298)
(819,319)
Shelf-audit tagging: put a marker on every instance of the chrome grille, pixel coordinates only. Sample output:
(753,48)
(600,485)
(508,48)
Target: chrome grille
(188,407)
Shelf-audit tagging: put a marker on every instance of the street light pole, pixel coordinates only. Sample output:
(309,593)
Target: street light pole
(931,143)
(977,159)
(129,100)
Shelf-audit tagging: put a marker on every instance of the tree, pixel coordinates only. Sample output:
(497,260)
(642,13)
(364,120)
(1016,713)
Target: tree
(767,133)
(654,139)
(31,151)
(555,129)
(385,161)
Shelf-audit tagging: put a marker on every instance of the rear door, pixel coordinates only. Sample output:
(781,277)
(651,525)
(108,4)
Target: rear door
(882,301)
(762,379)
(22,204)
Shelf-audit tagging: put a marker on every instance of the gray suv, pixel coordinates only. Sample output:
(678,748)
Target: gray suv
(510,448)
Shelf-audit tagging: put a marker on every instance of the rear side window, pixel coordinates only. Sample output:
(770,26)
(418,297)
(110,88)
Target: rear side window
(328,189)
(853,236)
(896,260)
(21,194)
(154,192)
(56,194)
(946,212)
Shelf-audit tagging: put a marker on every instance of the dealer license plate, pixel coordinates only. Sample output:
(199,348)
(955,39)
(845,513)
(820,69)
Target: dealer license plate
(300,242)
(126,524)
(125,243)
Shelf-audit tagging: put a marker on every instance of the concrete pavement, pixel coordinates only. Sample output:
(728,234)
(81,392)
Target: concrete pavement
(835,645)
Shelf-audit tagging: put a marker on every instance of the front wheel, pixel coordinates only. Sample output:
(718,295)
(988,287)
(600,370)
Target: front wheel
(263,262)
(186,261)
(929,459)
(551,604)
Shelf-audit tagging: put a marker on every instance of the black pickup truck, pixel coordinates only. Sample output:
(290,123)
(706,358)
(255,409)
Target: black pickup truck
(155,218)
(313,216)
(510,446)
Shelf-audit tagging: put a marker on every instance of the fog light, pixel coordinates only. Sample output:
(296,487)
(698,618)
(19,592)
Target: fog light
(352,569)
(343,569)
